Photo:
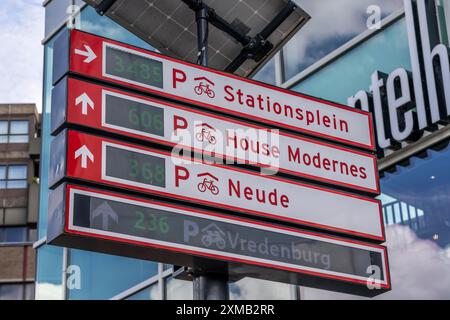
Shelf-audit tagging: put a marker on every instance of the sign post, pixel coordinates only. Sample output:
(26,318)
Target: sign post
(126,178)
(210,281)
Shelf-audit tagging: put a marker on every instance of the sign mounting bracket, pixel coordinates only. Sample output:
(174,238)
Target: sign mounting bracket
(104,6)
(255,48)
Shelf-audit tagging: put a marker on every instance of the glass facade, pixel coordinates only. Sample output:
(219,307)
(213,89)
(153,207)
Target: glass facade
(149,293)
(102,276)
(331,28)
(416,195)
(49,273)
(416,198)
(388,50)
(267,73)
(415,201)
(249,289)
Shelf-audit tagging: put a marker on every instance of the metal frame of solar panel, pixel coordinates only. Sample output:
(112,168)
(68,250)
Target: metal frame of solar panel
(243,34)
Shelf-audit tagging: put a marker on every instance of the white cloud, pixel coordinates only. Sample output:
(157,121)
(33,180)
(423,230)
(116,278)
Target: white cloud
(420,269)
(255,289)
(331,20)
(48,291)
(21,52)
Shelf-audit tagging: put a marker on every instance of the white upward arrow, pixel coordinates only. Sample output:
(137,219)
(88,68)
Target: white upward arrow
(85,155)
(106,212)
(89,54)
(85,103)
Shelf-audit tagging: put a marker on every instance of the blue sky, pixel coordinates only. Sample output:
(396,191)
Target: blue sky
(22,30)
(21,52)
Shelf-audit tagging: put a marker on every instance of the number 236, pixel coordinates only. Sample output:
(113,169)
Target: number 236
(151,222)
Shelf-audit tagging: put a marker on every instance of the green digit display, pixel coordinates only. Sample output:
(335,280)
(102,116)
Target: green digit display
(134,170)
(136,68)
(135,166)
(130,114)
(133,116)
(140,221)
(145,118)
(147,171)
(151,222)
(118,64)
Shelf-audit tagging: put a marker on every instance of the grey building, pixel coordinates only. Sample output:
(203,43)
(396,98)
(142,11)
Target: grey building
(19,188)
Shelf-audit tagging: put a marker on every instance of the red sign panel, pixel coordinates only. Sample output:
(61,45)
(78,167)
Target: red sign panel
(140,69)
(137,116)
(128,166)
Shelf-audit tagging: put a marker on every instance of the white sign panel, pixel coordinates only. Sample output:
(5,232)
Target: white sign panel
(235,189)
(151,171)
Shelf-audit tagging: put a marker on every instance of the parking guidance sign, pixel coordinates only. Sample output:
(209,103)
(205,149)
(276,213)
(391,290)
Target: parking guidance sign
(92,158)
(82,103)
(177,233)
(149,72)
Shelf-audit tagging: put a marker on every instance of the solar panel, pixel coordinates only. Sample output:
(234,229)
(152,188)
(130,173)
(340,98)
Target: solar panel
(170,27)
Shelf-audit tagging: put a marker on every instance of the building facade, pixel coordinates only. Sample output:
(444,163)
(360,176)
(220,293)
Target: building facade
(372,55)
(19,189)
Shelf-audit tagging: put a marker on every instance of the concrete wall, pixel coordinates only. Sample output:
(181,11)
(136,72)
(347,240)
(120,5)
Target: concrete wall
(17,264)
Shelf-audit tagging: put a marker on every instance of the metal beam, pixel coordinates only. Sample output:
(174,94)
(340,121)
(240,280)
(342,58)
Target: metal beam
(258,47)
(104,6)
(414,148)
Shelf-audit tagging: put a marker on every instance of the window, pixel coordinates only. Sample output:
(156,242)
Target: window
(13,177)
(333,24)
(149,293)
(16,291)
(13,216)
(106,274)
(12,235)
(443,12)
(55,15)
(15,131)
(256,289)
(178,289)
(267,73)
(17,235)
(338,80)
(11,291)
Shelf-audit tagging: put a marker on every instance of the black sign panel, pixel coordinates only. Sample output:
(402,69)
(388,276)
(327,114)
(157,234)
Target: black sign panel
(135,68)
(135,166)
(171,229)
(134,115)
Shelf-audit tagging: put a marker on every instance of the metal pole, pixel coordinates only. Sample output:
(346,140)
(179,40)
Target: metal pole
(201,17)
(210,279)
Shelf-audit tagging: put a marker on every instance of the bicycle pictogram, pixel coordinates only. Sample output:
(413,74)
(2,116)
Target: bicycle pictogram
(206,134)
(208,183)
(204,87)
(213,235)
